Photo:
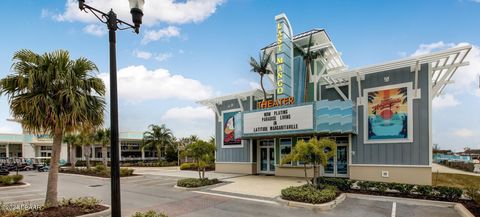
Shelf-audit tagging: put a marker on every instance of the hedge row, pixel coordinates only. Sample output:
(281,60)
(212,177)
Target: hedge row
(99,170)
(195,183)
(310,194)
(10,180)
(150,164)
(193,166)
(448,193)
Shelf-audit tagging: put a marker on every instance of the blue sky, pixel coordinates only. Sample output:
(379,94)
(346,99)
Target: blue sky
(203,46)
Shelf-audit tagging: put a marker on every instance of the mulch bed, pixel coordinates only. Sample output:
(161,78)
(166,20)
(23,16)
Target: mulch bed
(66,211)
(473,207)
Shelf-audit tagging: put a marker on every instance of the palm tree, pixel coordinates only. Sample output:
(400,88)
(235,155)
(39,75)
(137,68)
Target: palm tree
(158,137)
(308,58)
(262,68)
(72,140)
(50,93)
(87,139)
(102,136)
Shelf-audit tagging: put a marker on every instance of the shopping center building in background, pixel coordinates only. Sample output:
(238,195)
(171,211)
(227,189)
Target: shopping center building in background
(380,115)
(33,146)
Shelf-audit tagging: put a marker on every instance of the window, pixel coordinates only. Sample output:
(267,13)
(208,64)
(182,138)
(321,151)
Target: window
(45,151)
(285,147)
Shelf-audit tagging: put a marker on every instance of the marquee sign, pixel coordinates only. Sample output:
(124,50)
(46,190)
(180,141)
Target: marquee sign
(284,55)
(275,103)
(291,119)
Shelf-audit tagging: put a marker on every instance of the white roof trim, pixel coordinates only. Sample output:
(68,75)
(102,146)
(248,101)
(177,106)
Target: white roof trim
(218,100)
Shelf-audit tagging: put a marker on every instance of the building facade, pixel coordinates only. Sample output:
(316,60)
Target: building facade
(379,115)
(31,146)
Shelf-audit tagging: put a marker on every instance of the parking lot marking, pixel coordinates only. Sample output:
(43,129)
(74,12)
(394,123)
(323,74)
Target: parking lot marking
(236,197)
(394,209)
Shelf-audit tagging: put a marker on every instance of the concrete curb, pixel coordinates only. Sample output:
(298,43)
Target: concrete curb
(321,207)
(101,178)
(104,213)
(198,188)
(461,210)
(464,212)
(25,185)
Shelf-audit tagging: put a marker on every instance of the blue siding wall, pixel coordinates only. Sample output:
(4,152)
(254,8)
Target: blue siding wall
(231,154)
(415,153)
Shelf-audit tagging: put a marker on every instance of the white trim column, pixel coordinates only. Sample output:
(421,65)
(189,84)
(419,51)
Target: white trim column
(7,150)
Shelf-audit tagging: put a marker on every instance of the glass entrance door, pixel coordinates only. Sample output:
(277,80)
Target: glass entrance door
(337,166)
(266,156)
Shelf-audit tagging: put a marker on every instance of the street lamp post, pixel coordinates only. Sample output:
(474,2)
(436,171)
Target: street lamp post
(114,24)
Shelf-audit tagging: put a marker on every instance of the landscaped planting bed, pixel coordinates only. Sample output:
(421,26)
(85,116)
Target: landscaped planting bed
(149,164)
(150,213)
(11,180)
(66,208)
(427,192)
(98,171)
(195,183)
(310,194)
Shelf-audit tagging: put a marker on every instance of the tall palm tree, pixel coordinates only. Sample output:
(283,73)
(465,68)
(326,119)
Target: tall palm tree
(72,140)
(308,57)
(262,68)
(50,93)
(158,137)
(102,136)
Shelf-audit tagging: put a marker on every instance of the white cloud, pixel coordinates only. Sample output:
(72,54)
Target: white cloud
(188,114)
(137,83)
(96,30)
(444,101)
(163,56)
(155,12)
(428,48)
(142,54)
(165,33)
(45,13)
(464,132)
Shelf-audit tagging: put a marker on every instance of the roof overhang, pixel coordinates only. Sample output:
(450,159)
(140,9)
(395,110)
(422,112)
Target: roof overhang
(213,102)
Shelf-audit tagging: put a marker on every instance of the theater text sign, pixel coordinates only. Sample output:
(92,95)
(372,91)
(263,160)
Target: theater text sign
(290,119)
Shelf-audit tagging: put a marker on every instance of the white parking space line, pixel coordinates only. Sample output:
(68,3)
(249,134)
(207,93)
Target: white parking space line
(394,209)
(236,197)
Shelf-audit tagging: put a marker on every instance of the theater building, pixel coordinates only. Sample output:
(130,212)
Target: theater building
(379,115)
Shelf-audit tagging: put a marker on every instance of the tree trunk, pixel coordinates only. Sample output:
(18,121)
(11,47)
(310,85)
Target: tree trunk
(69,160)
(87,153)
(159,154)
(203,173)
(73,156)
(52,193)
(315,174)
(305,170)
(263,89)
(198,168)
(104,155)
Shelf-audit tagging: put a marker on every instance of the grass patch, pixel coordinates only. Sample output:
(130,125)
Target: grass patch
(195,183)
(98,171)
(455,180)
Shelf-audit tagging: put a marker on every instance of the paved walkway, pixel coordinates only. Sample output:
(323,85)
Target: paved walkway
(176,172)
(263,186)
(444,169)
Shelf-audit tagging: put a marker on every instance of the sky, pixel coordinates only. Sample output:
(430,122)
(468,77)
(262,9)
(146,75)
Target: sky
(195,49)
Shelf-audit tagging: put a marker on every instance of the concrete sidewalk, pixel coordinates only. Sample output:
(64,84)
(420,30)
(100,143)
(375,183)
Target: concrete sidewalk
(444,169)
(262,186)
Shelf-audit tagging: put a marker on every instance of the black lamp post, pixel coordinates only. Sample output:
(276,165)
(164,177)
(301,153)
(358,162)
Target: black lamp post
(114,24)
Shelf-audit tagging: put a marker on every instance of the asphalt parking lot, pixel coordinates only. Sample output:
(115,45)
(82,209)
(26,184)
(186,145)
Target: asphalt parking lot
(156,192)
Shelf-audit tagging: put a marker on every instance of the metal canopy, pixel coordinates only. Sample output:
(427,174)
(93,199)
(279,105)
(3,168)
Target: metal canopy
(442,66)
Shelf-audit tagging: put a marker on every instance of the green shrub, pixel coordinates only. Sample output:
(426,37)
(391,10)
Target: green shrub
(150,213)
(381,186)
(195,183)
(309,194)
(450,193)
(84,202)
(402,188)
(365,185)
(8,180)
(425,190)
(126,172)
(100,167)
(188,166)
(341,183)
(474,194)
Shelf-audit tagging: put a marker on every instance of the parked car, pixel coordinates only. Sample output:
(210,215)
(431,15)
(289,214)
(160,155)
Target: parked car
(43,168)
(476,169)
(3,171)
